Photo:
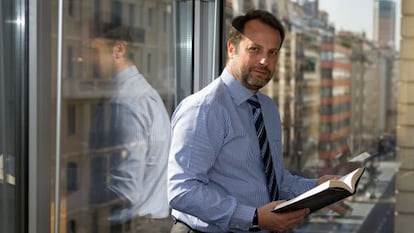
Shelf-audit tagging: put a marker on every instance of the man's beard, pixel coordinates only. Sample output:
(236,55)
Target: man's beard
(256,83)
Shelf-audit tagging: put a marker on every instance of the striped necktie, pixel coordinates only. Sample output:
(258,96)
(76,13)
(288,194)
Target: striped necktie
(264,147)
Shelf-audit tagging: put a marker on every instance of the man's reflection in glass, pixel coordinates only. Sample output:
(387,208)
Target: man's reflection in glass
(129,140)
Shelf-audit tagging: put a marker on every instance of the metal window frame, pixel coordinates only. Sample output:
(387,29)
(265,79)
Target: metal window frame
(206,32)
(40,102)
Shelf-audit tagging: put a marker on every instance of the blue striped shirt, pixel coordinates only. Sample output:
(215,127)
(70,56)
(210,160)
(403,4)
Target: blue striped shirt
(138,140)
(216,176)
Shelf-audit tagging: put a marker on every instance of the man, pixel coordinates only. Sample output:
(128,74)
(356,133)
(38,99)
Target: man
(217,180)
(130,140)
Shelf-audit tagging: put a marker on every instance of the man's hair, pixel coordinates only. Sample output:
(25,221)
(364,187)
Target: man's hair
(113,32)
(238,23)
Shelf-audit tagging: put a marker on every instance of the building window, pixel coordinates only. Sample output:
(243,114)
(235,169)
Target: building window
(69,61)
(71,119)
(71,6)
(149,63)
(116,12)
(72,179)
(72,226)
(165,21)
(150,16)
(97,12)
(132,17)
(309,64)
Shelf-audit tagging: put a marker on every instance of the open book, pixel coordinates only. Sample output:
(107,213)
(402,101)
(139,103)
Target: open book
(324,194)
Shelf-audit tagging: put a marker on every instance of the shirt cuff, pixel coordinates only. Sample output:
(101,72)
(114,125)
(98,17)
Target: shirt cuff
(242,218)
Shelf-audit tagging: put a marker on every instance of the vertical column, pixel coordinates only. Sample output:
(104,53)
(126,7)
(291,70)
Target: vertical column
(404,207)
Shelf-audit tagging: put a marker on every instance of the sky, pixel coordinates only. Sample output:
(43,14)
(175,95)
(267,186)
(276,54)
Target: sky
(355,15)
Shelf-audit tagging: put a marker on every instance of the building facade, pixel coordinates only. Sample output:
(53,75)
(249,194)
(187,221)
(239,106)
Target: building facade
(384,23)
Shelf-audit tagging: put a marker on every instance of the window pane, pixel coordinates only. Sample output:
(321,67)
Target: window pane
(13,117)
(118,94)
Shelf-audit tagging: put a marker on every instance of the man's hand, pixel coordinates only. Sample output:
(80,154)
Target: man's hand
(279,222)
(340,207)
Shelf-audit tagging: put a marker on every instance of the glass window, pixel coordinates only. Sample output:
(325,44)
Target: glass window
(326,55)
(72,176)
(132,15)
(69,62)
(71,119)
(150,17)
(118,96)
(13,117)
(148,63)
(346,105)
(72,227)
(116,12)
(71,6)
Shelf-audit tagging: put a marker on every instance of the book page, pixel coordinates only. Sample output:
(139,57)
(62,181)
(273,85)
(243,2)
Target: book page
(307,194)
(350,178)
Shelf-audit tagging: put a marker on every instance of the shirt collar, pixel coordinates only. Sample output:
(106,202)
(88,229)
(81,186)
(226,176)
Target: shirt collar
(124,75)
(238,92)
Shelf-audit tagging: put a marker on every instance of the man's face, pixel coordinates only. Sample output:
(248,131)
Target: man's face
(102,57)
(253,61)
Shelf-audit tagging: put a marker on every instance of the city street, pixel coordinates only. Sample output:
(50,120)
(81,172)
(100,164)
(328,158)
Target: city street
(372,207)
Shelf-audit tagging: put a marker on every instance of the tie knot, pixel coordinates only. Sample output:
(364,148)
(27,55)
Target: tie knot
(254,101)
